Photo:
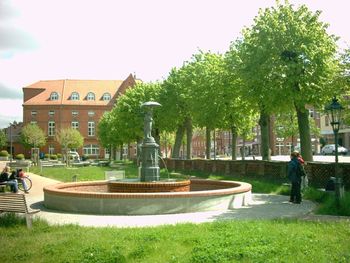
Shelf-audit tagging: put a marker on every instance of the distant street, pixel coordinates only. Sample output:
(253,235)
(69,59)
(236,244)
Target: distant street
(317,158)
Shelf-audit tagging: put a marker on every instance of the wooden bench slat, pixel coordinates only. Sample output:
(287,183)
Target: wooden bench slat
(10,202)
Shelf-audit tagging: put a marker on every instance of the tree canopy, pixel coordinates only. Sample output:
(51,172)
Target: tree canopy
(33,136)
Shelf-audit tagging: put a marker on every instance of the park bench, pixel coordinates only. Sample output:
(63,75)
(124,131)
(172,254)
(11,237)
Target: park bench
(3,186)
(16,203)
(114,175)
(19,165)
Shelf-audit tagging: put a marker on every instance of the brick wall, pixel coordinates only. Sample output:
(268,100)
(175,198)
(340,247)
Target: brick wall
(318,173)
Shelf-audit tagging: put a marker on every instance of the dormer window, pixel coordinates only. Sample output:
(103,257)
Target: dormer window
(54,96)
(90,96)
(106,96)
(74,96)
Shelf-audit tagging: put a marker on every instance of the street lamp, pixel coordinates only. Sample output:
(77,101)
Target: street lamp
(334,112)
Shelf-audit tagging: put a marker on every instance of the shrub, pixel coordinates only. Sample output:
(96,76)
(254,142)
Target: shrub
(59,155)
(4,153)
(47,156)
(53,156)
(20,156)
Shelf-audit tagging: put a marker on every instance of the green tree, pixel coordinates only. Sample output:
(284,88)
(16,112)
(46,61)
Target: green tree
(204,82)
(108,132)
(240,113)
(286,126)
(129,115)
(175,96)
(344,79)
(3,139)
(32,136)
(69,138)
(289,61)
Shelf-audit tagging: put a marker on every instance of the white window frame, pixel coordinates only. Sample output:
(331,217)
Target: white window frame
(51,113)
(51,149)
(106,96)
(75,113)
(91,128)
(90,96)
(33,112)
(75,125)
(311,113)
(91,113)
(54,96)
(51,128)
(74,96)
(91,149)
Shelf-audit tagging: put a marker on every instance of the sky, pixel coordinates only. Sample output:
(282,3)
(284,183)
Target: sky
(109,39)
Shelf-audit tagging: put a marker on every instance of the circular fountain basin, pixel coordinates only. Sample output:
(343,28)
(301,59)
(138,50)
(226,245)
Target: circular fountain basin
(148,187)
(95,198)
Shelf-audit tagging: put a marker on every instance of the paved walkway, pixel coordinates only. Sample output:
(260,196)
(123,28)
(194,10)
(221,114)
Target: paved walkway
(264,206)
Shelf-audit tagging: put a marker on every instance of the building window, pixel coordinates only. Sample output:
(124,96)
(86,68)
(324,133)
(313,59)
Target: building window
(326,120)
(51,131)
(91,113)
(34,122)
(91,128)
(279,146)
(91,149)
(74,96)
(311,113)
(51,113)
(51,149)
(106,96)
(90,96)
(75,125)
(34,113)
(54,96)
(75,113)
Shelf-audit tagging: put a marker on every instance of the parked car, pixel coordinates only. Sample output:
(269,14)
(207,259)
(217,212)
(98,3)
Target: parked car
(330,149)
(74,156)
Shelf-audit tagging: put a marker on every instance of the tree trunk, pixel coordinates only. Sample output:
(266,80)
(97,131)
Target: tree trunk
(243,149)
(129,152)
(166,147)
(121,152)
(157,136)
(189,133)
(214,142)
(265,138)
(178,140)
(304,133)
(207,143)
(234,143)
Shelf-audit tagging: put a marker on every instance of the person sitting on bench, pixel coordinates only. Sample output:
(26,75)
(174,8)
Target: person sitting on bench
(12,182)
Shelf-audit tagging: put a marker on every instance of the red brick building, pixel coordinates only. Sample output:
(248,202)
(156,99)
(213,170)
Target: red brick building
(58,104)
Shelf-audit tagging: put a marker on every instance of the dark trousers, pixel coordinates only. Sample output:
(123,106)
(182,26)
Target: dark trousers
(295,194)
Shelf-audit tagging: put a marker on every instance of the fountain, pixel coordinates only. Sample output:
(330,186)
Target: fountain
(149,195)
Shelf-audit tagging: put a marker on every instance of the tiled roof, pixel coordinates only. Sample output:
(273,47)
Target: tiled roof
(65,88)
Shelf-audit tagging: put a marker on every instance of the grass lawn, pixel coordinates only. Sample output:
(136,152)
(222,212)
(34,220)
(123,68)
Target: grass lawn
(259,184)
(225,241)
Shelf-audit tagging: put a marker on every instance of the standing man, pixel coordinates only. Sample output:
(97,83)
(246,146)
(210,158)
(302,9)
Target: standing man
(294,175)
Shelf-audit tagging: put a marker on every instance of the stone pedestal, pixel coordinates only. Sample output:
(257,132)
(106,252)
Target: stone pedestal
(150,164)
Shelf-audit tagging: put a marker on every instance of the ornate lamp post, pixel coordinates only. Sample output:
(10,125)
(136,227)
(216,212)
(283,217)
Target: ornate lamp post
(334,112)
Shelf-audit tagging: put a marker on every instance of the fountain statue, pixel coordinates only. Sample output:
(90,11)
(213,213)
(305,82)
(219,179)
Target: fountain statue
(149,148)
